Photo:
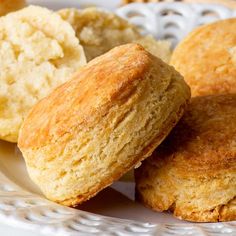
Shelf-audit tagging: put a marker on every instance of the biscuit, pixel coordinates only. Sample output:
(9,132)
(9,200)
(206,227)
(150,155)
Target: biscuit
(94,128)
(204,60)
(7,6)
(226,3)
(193,172)
(99,31)
(38,51)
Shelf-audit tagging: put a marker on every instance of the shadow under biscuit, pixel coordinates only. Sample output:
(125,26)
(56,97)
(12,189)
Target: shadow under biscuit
(117,201)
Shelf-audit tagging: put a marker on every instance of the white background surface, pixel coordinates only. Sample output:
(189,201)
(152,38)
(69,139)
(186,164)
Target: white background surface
(12,231)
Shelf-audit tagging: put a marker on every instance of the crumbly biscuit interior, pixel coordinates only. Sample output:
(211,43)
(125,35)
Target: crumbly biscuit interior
(32,63)
(100,31)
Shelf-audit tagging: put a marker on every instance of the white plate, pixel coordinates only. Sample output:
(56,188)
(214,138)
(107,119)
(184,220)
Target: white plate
(113,211)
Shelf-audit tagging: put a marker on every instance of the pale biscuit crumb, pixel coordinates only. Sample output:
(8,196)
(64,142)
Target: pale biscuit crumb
(38,52)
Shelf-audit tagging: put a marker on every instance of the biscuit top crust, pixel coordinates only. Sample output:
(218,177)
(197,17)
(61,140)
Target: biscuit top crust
(104,82)
(204,58)
(205,137)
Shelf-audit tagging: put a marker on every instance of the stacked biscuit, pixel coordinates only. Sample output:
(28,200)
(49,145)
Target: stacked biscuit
(82,126)
(193,172)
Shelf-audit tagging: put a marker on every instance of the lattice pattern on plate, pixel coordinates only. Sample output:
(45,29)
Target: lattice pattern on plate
(24,209)
(172,20)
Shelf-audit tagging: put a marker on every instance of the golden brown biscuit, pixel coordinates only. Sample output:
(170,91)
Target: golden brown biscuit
(96,127)
(7,6)
(38,52)
(99,31)
(204,60)
(193,172)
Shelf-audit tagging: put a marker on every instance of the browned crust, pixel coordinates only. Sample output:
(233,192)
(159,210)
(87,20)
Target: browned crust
(85,107)
(204,138)
(201,147)
(167,127)
(50,118)
(227,3)
(7,6)
(221,213)
(204,60)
